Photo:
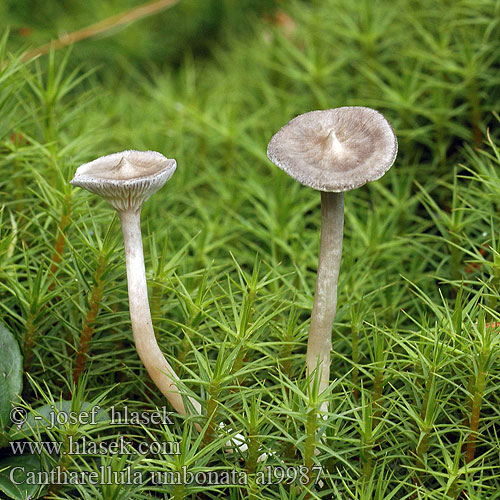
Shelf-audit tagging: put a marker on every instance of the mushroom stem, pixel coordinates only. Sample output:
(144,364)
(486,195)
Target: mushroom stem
(319,343)
(151,356)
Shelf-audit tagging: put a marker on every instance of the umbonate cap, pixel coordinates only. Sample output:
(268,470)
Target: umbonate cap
(335,149)
(126,179)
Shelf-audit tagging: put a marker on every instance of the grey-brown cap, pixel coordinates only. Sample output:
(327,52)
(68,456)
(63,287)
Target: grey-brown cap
(126,179)
(335,149)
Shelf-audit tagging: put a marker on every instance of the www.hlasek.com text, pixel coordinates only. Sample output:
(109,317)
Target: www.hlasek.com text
(84,446)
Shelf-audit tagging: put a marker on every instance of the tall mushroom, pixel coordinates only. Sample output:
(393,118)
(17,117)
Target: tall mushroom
(126,180)
(333,151)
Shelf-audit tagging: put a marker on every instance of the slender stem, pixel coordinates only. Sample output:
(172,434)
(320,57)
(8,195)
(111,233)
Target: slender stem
(89,322)
(29,342)
(310,443)
(319,343)
(212,406)
(61,239)
(355,360)
(477,399)
(151,356)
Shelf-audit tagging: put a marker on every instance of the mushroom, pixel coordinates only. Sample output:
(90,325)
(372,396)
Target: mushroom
(126,180)
(333,151)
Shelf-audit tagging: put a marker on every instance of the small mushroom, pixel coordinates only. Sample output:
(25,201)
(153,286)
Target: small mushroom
(332,151)
(126,180)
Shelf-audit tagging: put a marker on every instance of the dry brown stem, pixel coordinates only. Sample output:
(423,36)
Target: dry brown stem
(100,27)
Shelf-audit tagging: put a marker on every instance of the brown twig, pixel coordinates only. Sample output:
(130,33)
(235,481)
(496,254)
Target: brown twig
(61,239)
(89,323)
(100,27)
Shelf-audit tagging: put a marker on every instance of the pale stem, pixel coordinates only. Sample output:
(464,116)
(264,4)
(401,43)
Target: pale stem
(319,343)
(151,356)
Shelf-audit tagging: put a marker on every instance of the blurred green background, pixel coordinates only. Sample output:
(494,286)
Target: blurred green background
(161,40)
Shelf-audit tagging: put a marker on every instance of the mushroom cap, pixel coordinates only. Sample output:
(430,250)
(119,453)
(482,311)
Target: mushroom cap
(126,179)
(335,149)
